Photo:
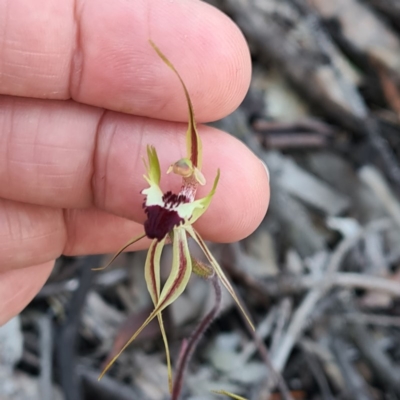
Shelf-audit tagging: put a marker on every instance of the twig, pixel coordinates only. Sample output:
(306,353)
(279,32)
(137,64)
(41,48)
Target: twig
(382,147)
(391,8)
(264,353)
(106,388)
(355,280)
(255,286)
(376,182)
(300,134)
(312,125)
(299,320)
(284,312)
(356,384)
(46,357)
(101,281)
(296,327)
(303,66)
(385,370)
(318,374)
(290,284)
(69,378)
(275,42)
(263,330)
(374,319)
(294,140)
(389,88)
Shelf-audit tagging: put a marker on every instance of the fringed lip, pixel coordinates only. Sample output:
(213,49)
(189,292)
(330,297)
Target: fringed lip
(161,219)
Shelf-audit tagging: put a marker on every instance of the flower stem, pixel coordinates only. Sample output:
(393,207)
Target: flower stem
(189,345)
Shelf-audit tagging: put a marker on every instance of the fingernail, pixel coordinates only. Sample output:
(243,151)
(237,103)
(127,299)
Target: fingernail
(266,168)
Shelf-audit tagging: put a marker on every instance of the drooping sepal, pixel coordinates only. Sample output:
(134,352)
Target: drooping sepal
(193,142)
(218,270)
(124,247)
(231,395)
(152,277)
(173,288)
(180,271)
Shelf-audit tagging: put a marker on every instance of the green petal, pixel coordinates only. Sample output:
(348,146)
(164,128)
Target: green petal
(125,246)
(193,142)
(205,201)
(153,193)
(218,270)
(152,277)
(133,337)
(153,167)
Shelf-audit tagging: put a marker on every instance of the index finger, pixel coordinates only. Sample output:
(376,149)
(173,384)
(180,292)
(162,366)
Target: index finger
(97,52)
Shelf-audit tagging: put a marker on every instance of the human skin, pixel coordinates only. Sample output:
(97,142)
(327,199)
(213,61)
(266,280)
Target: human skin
(82,93)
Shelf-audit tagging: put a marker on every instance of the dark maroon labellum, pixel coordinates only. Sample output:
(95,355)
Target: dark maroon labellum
(161,220)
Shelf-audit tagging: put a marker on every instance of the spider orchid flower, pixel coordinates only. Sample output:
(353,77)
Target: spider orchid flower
(170,219)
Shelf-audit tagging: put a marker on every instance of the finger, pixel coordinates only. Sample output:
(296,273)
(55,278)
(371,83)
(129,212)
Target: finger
(78,159)
(97,52)
(48,145)
(18,288)
(92,231)
(29,234)
(32,235)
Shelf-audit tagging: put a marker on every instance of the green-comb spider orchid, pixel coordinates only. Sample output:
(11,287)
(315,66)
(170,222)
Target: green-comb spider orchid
(170,218)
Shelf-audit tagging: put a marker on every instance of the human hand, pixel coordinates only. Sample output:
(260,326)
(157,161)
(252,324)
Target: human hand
(82,94)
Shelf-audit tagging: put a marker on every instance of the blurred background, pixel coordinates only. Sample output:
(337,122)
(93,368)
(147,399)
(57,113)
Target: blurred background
(320,277)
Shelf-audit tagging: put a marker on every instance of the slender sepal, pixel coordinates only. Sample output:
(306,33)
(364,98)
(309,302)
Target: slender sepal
(173,288)
(180,271)
(133,337)
(231,395)
(218,269)
(167,353)
(152,269)
(193,142)
(152,277)
(124,247)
